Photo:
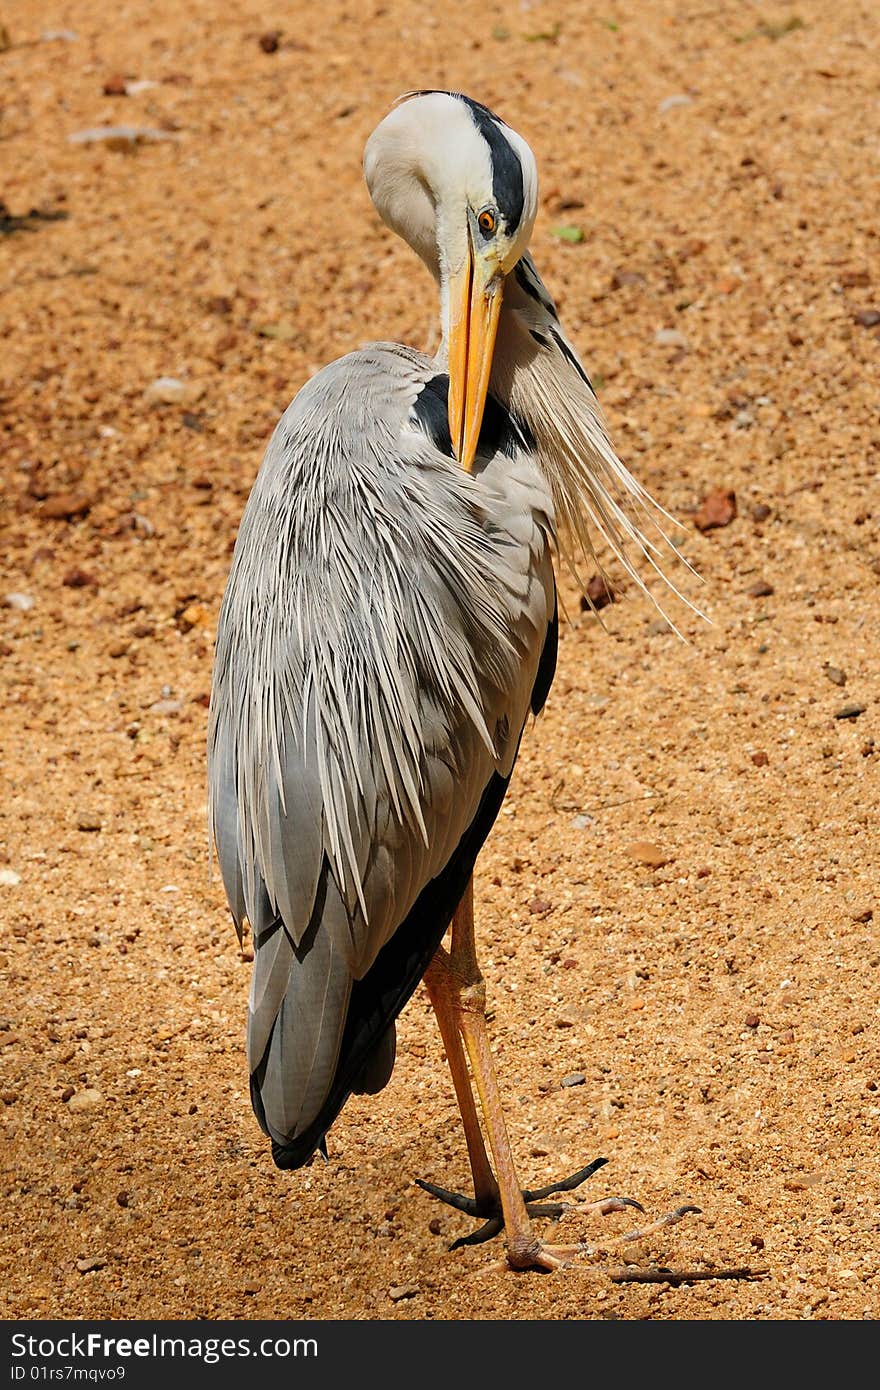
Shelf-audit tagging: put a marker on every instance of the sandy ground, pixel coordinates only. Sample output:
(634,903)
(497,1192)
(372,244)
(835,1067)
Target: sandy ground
(722,1007)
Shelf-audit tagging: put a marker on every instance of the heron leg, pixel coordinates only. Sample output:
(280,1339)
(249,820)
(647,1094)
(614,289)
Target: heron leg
(439,983)
(457,985)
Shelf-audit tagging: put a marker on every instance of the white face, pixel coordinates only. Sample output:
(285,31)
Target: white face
(451,179)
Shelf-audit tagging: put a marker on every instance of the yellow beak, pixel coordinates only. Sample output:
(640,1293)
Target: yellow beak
(474,307)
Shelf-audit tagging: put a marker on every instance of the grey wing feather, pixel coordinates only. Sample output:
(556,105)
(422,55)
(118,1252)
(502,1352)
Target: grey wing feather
(225,820)
(376,652)
(297,1014)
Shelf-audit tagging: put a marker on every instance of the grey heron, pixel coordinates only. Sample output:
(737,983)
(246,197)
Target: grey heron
(389,623)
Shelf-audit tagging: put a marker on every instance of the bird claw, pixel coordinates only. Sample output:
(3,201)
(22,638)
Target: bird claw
(493,1219)
(535,1194)
(606,1205)
(488,1231)
(670,1218)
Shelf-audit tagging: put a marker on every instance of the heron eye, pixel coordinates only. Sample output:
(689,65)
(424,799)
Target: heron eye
(486,221)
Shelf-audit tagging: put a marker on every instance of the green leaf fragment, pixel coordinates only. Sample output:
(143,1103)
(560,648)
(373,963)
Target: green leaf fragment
(544,35)
(571,234)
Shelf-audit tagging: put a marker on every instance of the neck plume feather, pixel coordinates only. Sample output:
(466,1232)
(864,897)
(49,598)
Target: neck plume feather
(598,502)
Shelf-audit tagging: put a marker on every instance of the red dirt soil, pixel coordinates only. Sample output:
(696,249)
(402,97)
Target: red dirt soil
(718,987)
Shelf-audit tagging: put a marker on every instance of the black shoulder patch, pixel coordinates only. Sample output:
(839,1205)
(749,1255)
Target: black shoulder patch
(525,283)
(500,431)
(531,284)
(431,412)
(547,664)
(570,357)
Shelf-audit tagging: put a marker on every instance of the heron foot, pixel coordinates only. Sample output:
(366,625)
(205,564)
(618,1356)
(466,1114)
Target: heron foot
(493,1220)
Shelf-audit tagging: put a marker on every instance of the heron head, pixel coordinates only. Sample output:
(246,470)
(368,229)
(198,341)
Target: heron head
(461,188)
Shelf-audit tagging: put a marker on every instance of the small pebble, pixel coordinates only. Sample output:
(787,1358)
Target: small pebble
(115,86)
(22,603)
(867,318)
(90,1263)
(672,103)
(670,337)
(760,758)
(118,137)
(718,508)
(759,512)
(282,332)
(270,41)
(624,278)
(598,594)
(397,1292)
(760,589)
(193,615)
(835,675)
(167,390)
(79,579)
(9,878)
(855,279)
(863,914)
(652,856)
(88,820)
(81,1101)
(752,1020)
(64,506)
(574,1078)
(851,711)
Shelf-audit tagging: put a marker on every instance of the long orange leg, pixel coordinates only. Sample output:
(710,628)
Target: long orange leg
(458,993)
(438,980)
